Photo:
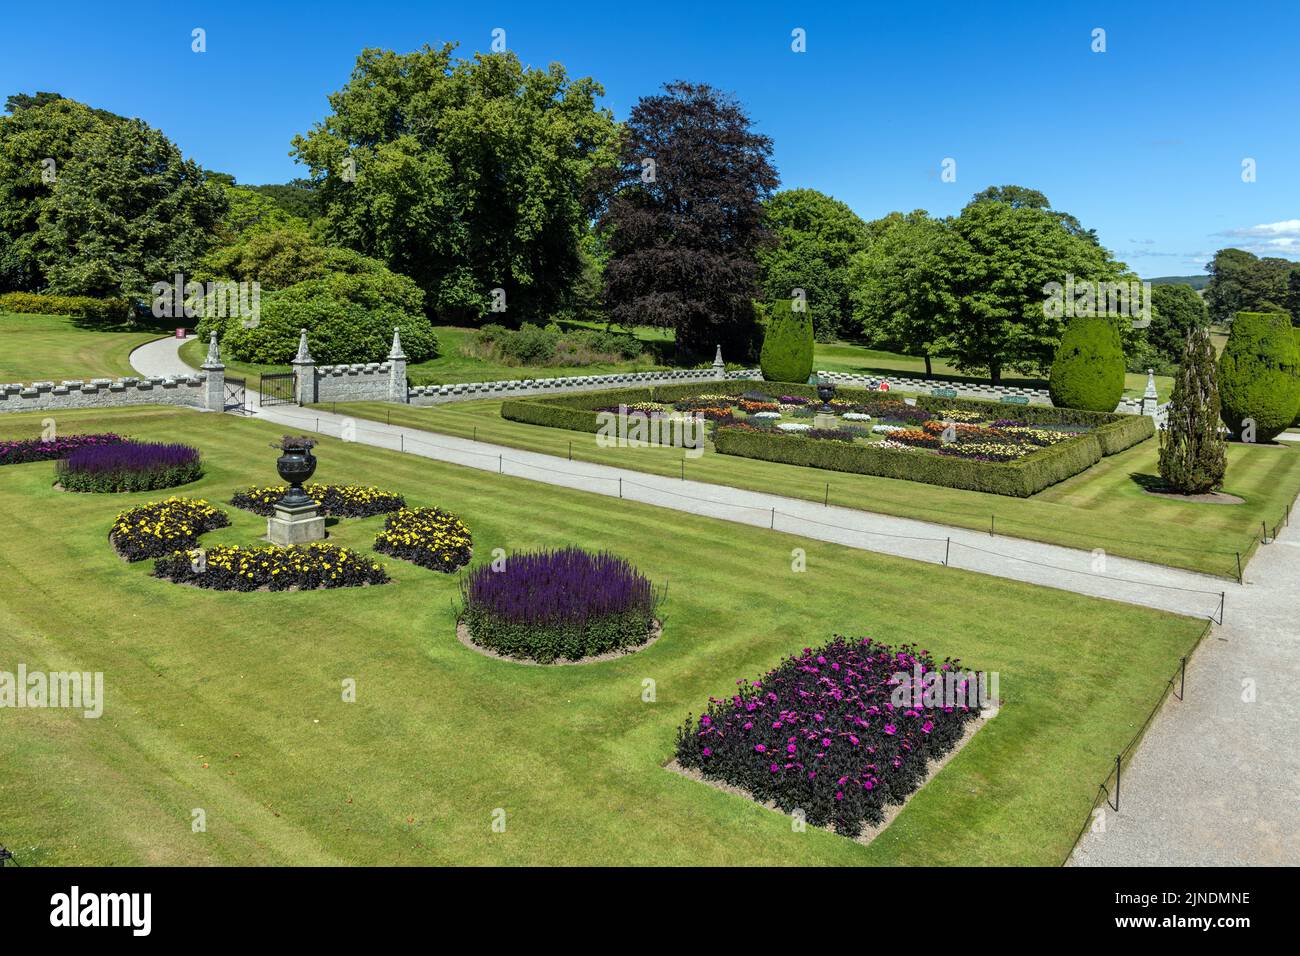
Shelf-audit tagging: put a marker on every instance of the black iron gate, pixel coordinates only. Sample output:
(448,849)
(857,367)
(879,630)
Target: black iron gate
(234,399)
(277,389)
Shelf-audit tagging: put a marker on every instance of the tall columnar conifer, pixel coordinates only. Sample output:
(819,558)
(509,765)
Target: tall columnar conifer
(1192,455)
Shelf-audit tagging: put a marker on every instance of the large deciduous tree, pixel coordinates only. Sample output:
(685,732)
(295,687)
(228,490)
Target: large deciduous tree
(1005,256)
(1177,309)
(127,212)
(685,219)
(904,285)
(39,138)
(1240,281)
(466,175)
(816,237)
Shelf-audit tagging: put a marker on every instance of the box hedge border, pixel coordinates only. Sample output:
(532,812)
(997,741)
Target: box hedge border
(1112,433)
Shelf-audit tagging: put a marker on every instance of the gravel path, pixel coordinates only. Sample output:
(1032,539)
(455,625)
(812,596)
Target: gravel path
(160,359)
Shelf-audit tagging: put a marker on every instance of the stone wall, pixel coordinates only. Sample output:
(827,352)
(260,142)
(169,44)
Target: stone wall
(1036,396)
(189,390)
(353,383)
(518,388)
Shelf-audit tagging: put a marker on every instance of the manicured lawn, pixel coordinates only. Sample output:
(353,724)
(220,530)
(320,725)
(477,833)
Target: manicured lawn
(448,368)
(42,348)
(1104,507)
(232,703)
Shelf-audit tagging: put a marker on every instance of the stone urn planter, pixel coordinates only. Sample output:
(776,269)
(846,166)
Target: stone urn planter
(826,391)
(296,465)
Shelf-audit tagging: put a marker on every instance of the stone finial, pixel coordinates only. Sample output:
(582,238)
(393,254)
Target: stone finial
(396,351)
(1151,384)
(304,354)
(213,360)
(717,359)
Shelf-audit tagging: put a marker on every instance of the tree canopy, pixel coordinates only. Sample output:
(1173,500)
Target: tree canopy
(466,175)
(684,215)
(1240,281)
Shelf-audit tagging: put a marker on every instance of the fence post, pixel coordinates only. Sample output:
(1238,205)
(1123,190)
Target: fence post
(772,526)
(1239,581)
(501,464)
(1182,678)
(1264,525)
(683,466)
(1118,766)
(946,548)
(1222,595)
(827,502)
(402,436)
(620,487)
(991,525)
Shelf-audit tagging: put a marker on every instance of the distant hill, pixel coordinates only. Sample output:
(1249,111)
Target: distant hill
(1196,282)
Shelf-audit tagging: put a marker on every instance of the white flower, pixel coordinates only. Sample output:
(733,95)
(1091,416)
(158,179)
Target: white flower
(887,429)
(890,443)
(766,415)
(794,427)
(856,417)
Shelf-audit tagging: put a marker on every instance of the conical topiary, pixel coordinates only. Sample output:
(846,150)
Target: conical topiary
(1088,371)
(1257,376)
(1192,455)
(787,354)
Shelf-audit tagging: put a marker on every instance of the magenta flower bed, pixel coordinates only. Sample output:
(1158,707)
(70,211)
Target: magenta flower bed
(822,733)
(35,449)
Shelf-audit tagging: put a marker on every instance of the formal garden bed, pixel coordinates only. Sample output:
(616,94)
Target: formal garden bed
(128,466)
(839,734)
(337,501)
(430,537)
(567,605)
(159,528)
(25,450)
(1000,448)
(298,568)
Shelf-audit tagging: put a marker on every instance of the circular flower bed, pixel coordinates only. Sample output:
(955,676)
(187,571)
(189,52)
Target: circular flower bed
(551,605)
(128,466)
(838,732)
(302,567)
(161,527)
(339,501)
(38,449)
(429,537)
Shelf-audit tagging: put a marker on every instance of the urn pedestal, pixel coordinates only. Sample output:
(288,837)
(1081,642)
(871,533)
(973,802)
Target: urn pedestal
(295,524)
(823,420)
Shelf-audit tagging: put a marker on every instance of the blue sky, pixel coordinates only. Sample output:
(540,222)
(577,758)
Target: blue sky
(1143,142)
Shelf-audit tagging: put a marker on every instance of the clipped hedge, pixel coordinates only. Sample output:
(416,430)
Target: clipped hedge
(1088,371)
(77,306)
(1018,479)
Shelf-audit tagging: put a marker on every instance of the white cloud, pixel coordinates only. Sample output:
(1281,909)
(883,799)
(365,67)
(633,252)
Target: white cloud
(1281,238)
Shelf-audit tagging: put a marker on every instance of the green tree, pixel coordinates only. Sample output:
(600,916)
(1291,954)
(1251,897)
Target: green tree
(466,175)
(1004,257)
(39,139)
(128,212)
(278,258)
(1193,458)
(1176,311)
(904,285)
(1258,381)
(1088,371)
(1240,281)
(787,354)
(816,238)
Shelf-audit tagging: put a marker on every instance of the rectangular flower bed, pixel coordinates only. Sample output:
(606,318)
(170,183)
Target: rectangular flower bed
(838,733)
(1015,450)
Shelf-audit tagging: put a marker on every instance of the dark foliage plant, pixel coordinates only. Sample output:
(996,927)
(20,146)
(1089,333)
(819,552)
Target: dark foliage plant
(129,466)
(162,527)
(1193,457)
(564,604)
(299,568)
(337,501)
(828,733)
(25,450)
(430,537)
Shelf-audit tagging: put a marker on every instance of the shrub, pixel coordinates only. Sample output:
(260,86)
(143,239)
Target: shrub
(24,450)
(552,605)
(78,306)
(348,318)
(839,732)
(338,501)
(429,537)
(1088,371)
(1192,454)
(300,567)
(787,354)
(1257,375)
(129,466)
(161,527)
(541,346)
